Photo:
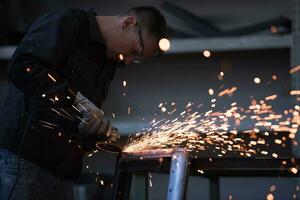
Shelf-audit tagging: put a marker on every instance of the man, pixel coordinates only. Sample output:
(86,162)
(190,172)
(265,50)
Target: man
(59,77)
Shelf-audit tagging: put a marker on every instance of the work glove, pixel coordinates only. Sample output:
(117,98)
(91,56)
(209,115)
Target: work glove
(93,122)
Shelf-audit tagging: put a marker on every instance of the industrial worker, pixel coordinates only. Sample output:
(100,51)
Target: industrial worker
(59,77)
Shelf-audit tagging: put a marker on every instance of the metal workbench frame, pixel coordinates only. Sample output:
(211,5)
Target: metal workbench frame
(180,163)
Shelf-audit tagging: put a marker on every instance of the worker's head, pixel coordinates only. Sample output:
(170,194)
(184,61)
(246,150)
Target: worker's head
(137,34)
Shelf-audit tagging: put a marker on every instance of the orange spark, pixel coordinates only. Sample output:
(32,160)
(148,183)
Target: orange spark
(295,69)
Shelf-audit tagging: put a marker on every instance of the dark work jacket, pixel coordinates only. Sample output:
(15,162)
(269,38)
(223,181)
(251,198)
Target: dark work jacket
(61,54)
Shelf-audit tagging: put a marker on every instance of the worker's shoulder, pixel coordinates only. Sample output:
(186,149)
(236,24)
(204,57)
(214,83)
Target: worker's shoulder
(64,13)
(62,17)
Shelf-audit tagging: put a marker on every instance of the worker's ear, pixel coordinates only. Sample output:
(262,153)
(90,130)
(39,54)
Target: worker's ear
(128,22)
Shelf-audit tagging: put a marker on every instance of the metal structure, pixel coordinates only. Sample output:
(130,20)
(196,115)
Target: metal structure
(178,175)
(180,164)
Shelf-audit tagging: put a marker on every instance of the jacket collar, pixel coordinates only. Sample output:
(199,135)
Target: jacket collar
(94,31)
(95,35)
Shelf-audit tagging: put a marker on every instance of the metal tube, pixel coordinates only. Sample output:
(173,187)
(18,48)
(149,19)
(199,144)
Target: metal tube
(157,153)
(178,175)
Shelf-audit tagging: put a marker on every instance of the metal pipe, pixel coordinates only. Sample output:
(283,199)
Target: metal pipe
(156,153)
(178,175)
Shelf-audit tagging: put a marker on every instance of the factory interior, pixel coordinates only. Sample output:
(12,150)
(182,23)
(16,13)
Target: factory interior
(215,117)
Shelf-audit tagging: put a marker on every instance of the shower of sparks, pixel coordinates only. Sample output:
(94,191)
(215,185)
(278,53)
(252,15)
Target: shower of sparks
(218,130)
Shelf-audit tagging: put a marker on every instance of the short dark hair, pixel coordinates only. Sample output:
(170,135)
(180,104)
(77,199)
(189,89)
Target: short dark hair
(150,20)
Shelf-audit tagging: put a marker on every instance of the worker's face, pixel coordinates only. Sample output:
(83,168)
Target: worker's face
(135,45)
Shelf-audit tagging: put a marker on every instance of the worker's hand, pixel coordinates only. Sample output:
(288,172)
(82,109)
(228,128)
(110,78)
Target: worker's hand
(113,135)
(93,122)
(92,117)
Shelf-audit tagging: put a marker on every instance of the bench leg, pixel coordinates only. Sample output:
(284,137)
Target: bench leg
(214,188)
(178,175)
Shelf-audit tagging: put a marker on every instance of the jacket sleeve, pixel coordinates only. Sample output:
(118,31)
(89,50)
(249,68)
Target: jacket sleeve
(33,67)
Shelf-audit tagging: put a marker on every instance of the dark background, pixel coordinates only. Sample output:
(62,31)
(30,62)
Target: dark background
(182,77)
